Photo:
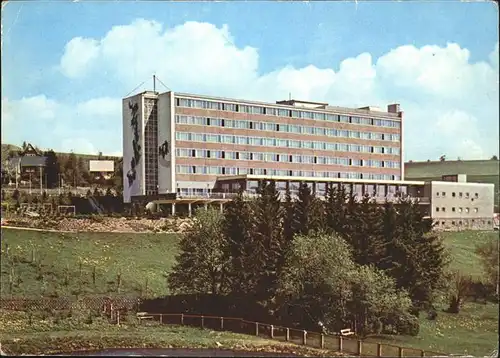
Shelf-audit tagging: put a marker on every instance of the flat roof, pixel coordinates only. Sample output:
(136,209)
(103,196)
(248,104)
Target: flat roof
(316,179)
(331,109)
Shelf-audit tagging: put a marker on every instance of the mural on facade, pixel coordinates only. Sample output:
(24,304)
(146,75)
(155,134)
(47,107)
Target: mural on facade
(163,154)
(134,123)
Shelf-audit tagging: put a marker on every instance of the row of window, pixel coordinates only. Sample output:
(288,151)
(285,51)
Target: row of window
(284,158)
(453,209)
(283,112)
(461,223)
(460,195)
(215,170)
(283,143)
(286,128)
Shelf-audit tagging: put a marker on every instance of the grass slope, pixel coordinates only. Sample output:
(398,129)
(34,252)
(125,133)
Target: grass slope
(474,331)
(46,336)
(462,247)
(138,257)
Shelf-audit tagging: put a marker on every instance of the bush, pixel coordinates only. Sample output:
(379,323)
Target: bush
(407,325)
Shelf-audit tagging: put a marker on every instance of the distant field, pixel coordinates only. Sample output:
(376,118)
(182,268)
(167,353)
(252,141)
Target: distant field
(435,169)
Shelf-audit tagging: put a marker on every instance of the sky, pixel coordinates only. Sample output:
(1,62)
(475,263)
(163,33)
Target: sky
(67,65)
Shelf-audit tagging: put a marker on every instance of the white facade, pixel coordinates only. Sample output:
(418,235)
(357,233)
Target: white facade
(461,205)
(166,143)
(133,147)
(101,166)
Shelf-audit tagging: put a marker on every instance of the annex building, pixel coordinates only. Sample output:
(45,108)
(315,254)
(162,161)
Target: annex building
(184,149)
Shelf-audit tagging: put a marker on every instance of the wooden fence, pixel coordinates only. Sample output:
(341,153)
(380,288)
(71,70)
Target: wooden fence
(336,343)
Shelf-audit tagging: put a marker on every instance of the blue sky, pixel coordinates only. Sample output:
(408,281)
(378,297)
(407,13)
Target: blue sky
(438,59)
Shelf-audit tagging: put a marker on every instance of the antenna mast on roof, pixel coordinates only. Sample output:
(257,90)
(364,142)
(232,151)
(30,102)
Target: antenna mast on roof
(154,83)
(289,96)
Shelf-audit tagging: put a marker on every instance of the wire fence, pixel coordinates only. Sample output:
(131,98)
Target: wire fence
(337,343)
(94,303)
(118,307)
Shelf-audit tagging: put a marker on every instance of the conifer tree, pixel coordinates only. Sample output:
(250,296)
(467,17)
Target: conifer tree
(238,232)
(269,240)
(309,212)
(417,257)
(336,209)
(365,232)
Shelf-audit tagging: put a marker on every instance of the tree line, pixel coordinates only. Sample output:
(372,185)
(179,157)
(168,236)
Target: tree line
(68,169)
(344,262)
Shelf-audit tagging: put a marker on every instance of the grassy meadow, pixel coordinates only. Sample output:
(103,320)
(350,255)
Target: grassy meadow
(64,264)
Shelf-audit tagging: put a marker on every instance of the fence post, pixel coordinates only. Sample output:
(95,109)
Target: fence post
(379,350)
(272,331)
(304,337)
(360,347)
(118,318)
(202,322)
(322,341)
(287,334)
(161,318)
(340,344)
(401,352)
(256,328)
(182,318)
(222,323)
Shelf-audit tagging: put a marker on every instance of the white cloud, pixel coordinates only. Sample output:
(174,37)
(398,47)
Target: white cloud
(79,54)
(450,103)
(88,127)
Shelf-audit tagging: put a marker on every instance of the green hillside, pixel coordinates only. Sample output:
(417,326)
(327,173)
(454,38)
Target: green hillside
(481,171)
(145,259)
(478,171)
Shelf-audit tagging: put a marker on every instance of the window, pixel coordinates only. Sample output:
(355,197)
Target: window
(437,194)
(442,222)
(443,194)
(453,194)
(476,195)
(459,195)
(453,209)
(475,210)
(466,210)
(437,209)
(452,223)
(467,195)
(443,209)
(459,210)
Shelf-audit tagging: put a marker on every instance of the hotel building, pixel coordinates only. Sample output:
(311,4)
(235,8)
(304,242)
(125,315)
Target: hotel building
(185,148)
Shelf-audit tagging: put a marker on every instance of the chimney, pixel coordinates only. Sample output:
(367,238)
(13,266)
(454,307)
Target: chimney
(394,108)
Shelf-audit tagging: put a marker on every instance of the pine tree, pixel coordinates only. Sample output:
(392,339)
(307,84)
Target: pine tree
(202,265)
(288,221)
(51,169)
(238,231)
(335,206)
(269,241)
(366,231)
(416,259)
(309,212)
